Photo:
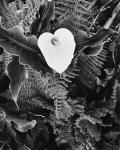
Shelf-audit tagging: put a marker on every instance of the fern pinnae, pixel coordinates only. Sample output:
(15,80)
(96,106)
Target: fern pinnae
(97,62)
(112,101)
(102,56)
(63,82)
(89,65)
(5,59)
(31,95)
(76,10)
(65,79)
(90,71)
(8,105)
(58,93)
(85,75)
(69,74)
(76,106)
(32,8)
(39,103)
(9,16)
(65,133)
(90,4)
(88,129)
(61,5)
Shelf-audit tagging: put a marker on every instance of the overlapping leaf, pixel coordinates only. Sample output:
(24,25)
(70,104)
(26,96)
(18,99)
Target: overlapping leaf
(17,73)
(16,43)
(10,134)
(42,24)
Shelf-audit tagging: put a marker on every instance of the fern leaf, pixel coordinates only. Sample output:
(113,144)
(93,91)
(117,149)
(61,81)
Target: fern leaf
(91,129)
(86,68)
(5,59)
(32,95)
(76,105)
(112,100)
(90,67)
(59,94)
(7,102)
(65,133)
(9,15)
(116,110)
(79,10)
(29,16)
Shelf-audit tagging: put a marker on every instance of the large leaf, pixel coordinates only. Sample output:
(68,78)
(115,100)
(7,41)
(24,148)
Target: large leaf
(42,24)
(17,40)
(24,127)
(107,11)
(94,40)
(21,124)
(16,43)
(4,82)
(9,134)
(17,73)
(93,50)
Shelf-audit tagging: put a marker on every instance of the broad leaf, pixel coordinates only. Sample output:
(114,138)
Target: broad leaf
(16,43)
(93,50)
(12,138)
(94,40)
(14,40)
(106,12)
(24,127)
(42,24)
(4,82)
(17,73)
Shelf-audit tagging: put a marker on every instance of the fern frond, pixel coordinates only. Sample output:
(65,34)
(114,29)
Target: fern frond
(82,16)
(65,133)
(89,118)
(29,16)
(86,68)
(117,110)
(79,8)
(5,59)
(58,93)
(63,109)
(80,11)
(112,100)
(32,96)
(39,129)
(76,105)
(8,15)
(90,67)
(35,104)
(85,125)
(7,103)
(43,91)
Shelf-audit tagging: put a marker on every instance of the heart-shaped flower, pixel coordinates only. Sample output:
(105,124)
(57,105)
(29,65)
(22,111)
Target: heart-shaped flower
(58,49)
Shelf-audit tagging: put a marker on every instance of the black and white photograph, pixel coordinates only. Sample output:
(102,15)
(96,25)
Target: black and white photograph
(59,74)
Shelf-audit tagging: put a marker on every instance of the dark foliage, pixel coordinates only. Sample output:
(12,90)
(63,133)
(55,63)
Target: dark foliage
(41,110)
